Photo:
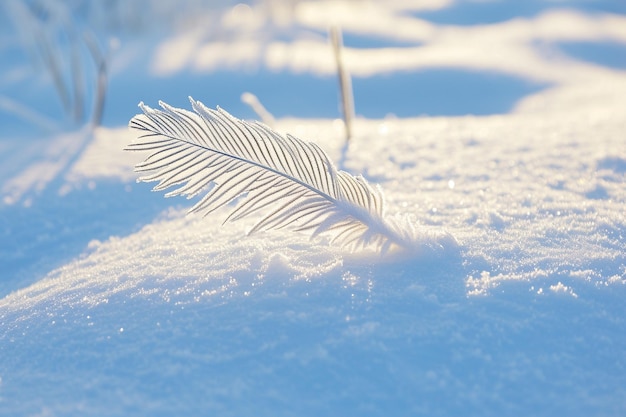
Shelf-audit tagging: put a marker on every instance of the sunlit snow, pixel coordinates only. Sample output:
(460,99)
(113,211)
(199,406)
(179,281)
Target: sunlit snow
(114,301)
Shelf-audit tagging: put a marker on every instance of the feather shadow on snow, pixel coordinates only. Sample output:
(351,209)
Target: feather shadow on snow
(293,183)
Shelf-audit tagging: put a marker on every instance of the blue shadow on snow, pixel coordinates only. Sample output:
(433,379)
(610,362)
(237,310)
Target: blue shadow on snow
(607,54)
(437,92)
(470,13)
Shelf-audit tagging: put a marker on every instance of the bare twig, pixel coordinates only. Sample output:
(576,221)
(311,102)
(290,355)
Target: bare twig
(77,79)
(57,45)
(102,79)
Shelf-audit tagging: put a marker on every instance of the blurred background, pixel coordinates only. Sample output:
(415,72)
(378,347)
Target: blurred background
(69,63)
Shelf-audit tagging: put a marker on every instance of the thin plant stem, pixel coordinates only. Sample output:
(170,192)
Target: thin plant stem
(345,83)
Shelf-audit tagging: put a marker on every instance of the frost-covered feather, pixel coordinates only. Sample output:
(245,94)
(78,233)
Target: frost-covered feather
(291,182)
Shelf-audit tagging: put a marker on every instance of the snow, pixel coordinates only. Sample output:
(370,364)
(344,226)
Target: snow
(113,301)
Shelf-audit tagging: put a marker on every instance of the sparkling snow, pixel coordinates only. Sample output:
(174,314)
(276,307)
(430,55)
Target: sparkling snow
(113,301)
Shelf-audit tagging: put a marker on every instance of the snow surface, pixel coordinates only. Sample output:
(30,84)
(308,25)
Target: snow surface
(114,302)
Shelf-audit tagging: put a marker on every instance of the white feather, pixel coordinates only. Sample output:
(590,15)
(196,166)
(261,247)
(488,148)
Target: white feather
(291,182)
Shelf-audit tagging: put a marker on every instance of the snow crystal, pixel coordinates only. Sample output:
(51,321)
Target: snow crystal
(560,288)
